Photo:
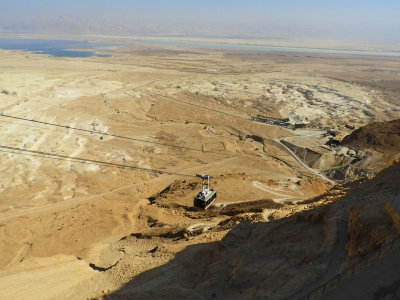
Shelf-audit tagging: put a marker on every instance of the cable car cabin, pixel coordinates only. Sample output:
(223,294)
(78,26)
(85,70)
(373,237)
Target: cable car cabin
(204,198)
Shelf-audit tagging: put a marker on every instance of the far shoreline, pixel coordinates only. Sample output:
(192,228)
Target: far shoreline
(244,44)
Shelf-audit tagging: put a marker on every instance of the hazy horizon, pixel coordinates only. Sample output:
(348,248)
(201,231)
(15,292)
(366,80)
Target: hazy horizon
(358,20)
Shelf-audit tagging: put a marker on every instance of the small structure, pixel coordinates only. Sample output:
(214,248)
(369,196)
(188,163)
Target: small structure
(204,198)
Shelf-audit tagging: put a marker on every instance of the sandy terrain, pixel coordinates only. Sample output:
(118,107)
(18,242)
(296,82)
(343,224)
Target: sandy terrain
(98,154)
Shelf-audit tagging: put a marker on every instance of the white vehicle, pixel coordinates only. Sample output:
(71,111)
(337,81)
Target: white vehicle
(207,195)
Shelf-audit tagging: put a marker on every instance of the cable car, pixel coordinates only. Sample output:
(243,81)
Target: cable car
(206,196)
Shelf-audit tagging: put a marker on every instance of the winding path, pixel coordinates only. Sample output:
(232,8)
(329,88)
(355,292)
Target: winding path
(304,164)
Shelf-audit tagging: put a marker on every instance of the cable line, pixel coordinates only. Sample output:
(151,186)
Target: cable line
(201,106)
(90,161)
(109,134)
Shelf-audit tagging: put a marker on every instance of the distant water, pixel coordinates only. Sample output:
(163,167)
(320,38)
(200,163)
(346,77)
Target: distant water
(268,48)
(59,48)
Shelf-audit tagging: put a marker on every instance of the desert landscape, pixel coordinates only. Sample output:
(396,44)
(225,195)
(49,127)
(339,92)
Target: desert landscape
(99,156)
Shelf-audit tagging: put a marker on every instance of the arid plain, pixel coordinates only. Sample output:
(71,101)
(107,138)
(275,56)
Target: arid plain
(98,155)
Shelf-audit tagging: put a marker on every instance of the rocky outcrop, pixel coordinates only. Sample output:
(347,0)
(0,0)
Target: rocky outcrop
(380,136)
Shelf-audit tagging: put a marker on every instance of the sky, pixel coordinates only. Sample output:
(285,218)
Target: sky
(350,20)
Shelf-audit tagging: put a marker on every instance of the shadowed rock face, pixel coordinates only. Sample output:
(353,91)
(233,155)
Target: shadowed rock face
(280,259)
(381,136)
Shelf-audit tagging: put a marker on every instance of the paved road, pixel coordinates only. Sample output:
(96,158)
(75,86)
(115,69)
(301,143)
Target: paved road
(323,177)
